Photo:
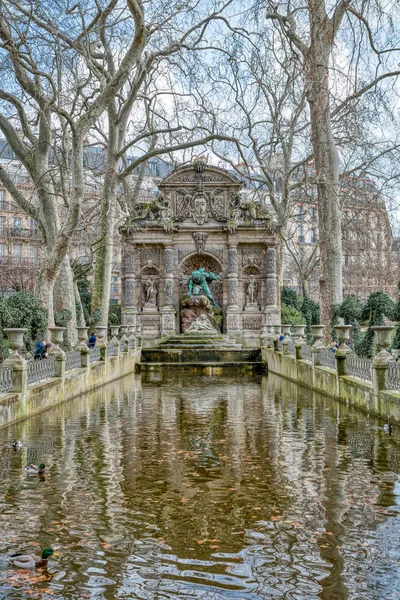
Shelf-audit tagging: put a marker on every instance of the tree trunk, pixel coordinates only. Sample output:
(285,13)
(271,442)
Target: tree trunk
(326,165)
(64,297)
(80,317)
(105,245)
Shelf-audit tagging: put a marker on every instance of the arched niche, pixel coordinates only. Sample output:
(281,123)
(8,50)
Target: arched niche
(193,262)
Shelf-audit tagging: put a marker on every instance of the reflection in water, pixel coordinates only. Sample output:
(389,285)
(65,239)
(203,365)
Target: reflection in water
(179,486)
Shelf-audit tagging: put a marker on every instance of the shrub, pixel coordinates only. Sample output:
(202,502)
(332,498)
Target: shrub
(291,316)
(26,311)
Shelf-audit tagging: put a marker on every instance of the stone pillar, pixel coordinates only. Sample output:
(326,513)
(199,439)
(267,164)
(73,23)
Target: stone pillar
(129,309)
(17,362)
(233,321)
(168,313)
(271,293)
(57,334)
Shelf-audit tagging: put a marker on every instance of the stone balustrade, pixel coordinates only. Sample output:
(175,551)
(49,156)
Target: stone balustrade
(66,374)
(372,384)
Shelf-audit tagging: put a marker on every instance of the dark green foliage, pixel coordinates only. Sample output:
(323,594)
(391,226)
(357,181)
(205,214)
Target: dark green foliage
(4,318)
(290,298)
(114,313)
(378,306)
(25,311)
(291,316)
(396,339)
(350,311)
(311,313)
(307,310)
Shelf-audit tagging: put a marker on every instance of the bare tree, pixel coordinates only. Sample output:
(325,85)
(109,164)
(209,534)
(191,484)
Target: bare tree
(48,53)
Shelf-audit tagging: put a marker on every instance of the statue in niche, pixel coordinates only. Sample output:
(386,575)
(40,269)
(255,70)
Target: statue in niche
(151,291)
(198,283)
(251,290)
(201,325)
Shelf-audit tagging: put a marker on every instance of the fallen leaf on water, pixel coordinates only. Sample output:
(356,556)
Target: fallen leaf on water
(214,546)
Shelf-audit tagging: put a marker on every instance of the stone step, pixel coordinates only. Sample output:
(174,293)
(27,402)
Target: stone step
(238,366)
(201,355)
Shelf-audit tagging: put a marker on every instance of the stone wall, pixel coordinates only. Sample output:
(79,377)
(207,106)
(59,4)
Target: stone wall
(73,383)
(334,383)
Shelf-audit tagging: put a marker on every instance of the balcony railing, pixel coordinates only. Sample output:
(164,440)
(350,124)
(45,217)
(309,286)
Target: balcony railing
(16,232)
(18,260)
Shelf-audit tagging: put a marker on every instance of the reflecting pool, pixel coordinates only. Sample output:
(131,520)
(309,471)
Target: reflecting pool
(181,486)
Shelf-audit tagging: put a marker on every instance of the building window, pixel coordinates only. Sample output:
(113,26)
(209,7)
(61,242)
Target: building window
(300,234)
(3,252)
(17,222)
(17,252)
(2,223)
(313,213)
(2,200)
(314,236)
(114,286)
(300,213)
(33,254)
(33,224)
(83,259)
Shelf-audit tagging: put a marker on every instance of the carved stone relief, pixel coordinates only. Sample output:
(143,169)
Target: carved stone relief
(232,322)
(270,296)
(232,291)
(130,292)
(168,260)
(270,266)
(129,259)
(149,256)
(232,260)
(184,252)
(168,292)
(129,319)
(200,238)
(251,257)
(253,322)
(150,322)
(168,322)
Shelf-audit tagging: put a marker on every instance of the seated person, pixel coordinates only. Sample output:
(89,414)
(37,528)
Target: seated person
(92,340)
(40,350)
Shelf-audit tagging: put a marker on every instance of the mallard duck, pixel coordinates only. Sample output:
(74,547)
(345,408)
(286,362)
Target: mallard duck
(388,427)
(36,470)
(30,561)
(16,445)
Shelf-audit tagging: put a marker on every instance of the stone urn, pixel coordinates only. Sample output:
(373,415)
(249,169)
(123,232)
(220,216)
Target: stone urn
(299,331)
(277,330)
(101,332)
(286,332)
(317,333)
(57,337)
(343,333)
(15,341)
(82,336)
(382,339)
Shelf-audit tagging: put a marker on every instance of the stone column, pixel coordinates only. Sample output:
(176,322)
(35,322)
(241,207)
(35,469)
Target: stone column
(233,320)
(168,318)
(129,309)
(271,293)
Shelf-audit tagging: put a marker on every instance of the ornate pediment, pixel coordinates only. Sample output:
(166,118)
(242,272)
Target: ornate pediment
(193,176)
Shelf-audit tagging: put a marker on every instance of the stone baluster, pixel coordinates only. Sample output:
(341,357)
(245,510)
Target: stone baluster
(101,331)
(114,338)
(168,318)
(382,360)
(129,309)
(233,310)
(57,336)
(82,346)
(17,362)
(318,334)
